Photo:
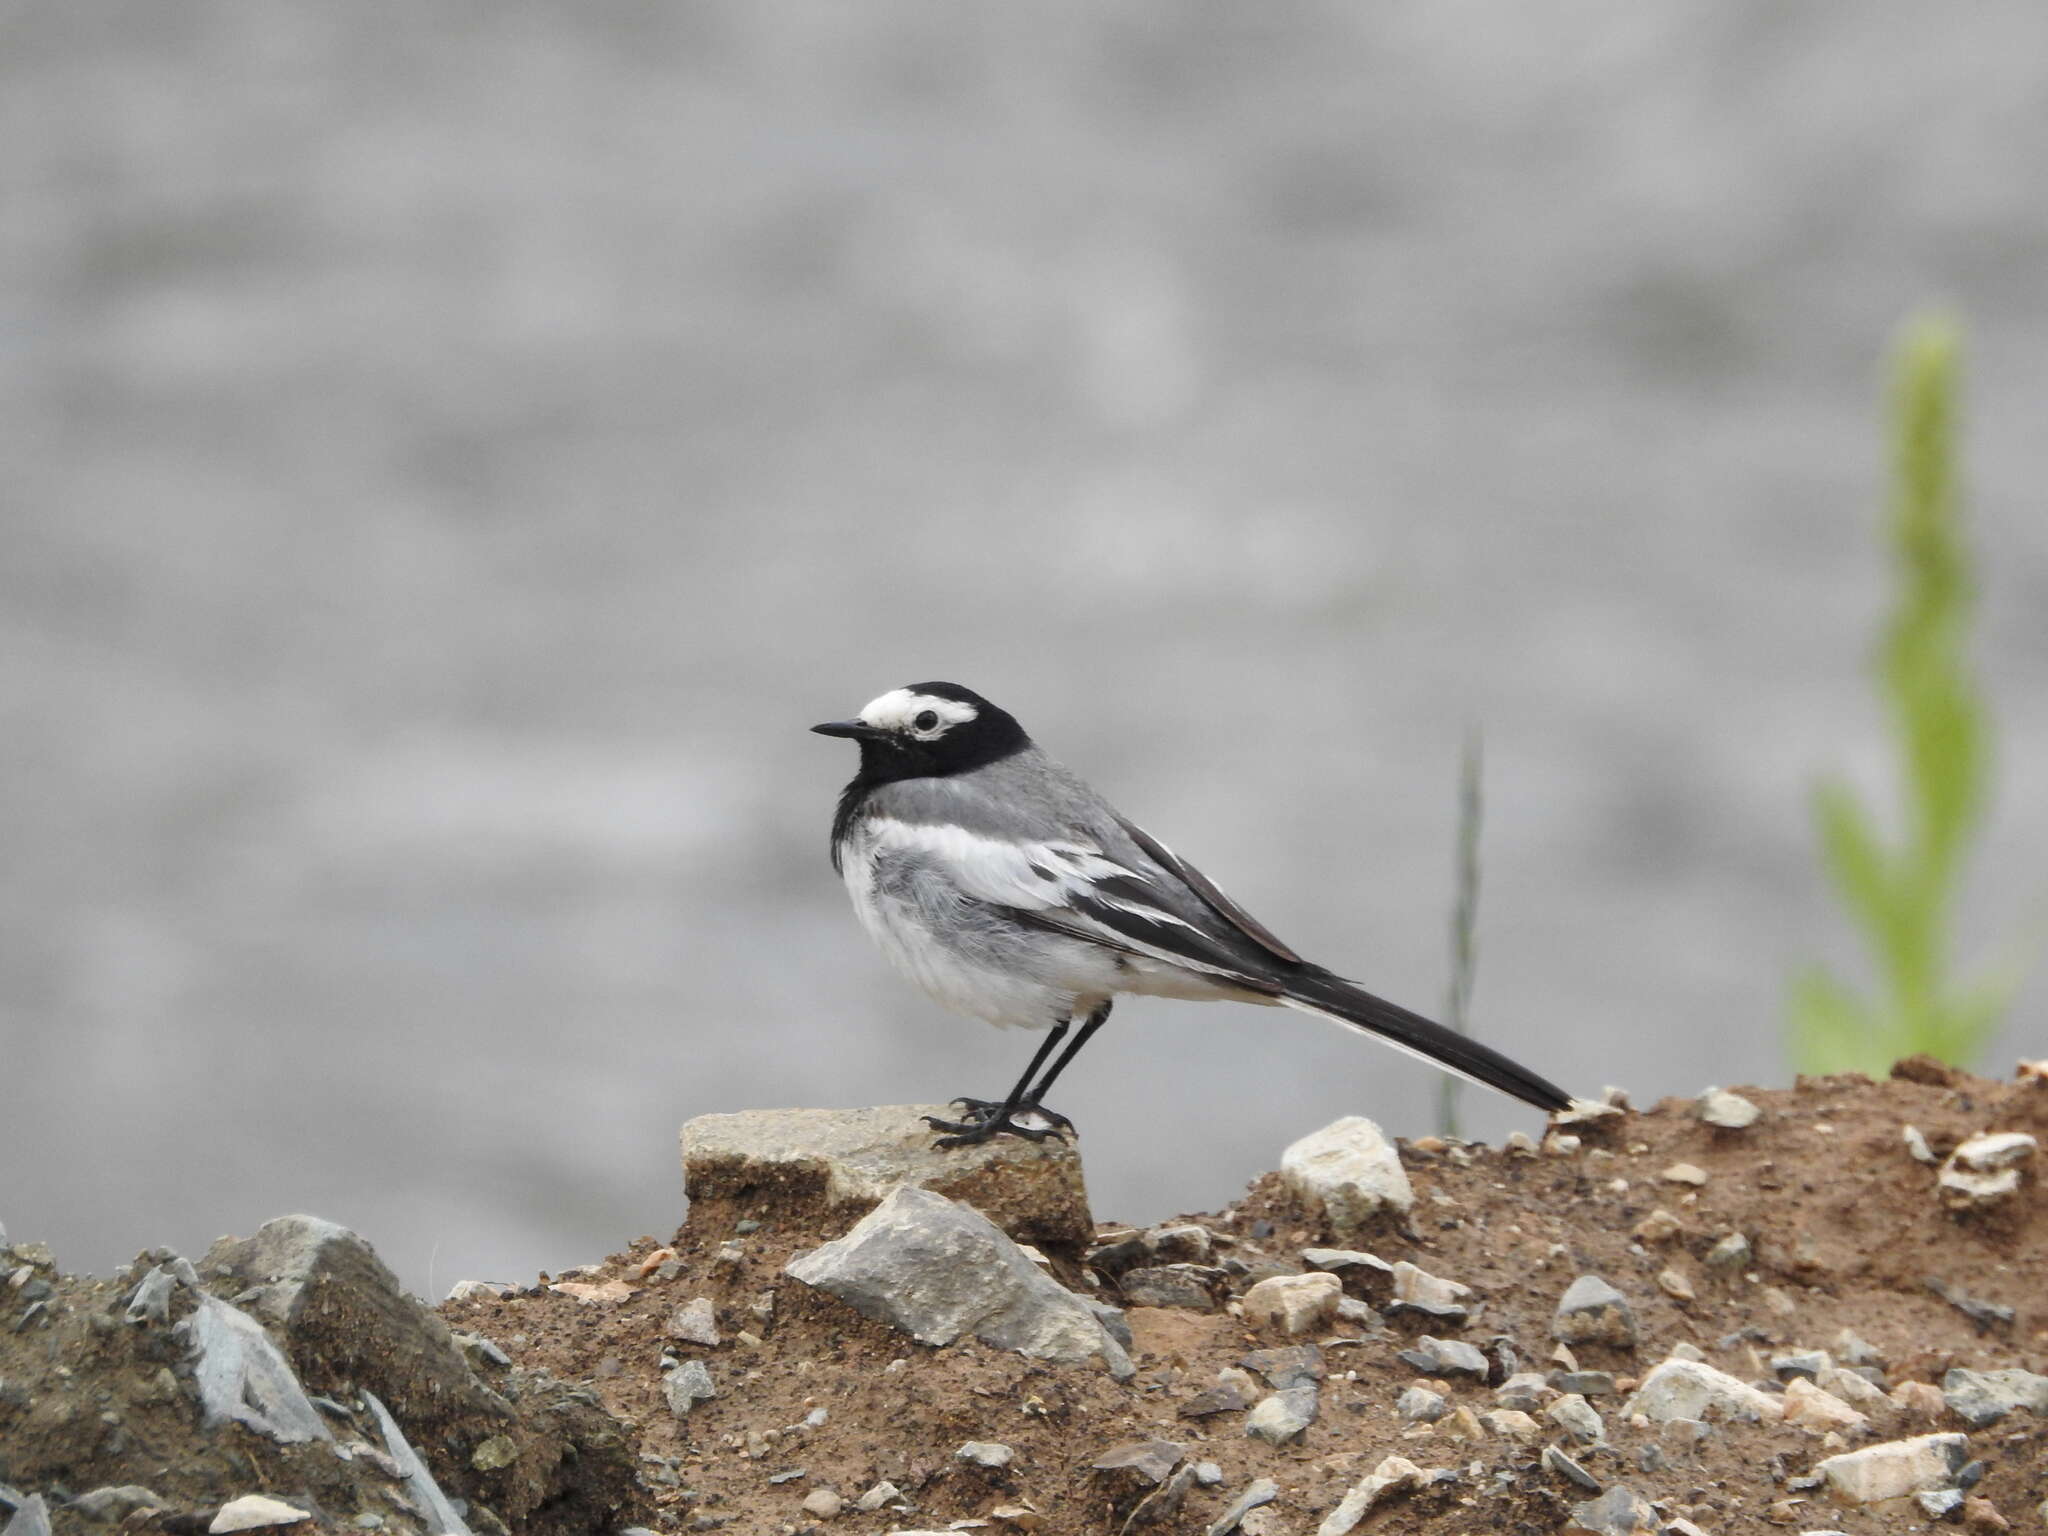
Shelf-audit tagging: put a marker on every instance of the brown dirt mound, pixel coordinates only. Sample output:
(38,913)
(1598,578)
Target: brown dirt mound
(1845,1229)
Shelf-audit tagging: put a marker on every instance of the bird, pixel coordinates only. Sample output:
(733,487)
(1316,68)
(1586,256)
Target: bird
(1007,889)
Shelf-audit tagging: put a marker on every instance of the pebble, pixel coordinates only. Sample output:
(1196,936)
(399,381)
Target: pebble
(687,1385)
(1556,1461)
(494,1453)
(256,1511)
(1985,1314)
(1684,1173)
(1183,1243)
(1296,1365)
(1805,1362)
(1349,1171)
(884,1492)
(480,1290)
(1396,1474)
(1577,1418)
(1812,1408)
(1731,1111)
(1418,1290)
(985,1453)
(1896,1468)
(695,1321)
(1293,1304)
(1980,1398)
(1675,1285)
(1419,1405)
(1224,1397)
(1594,1312)
(1916,1144)
(1984,1170)
(1279,1418)
(1526,1390)
(1585,1383)
(1939,1503)
(1686,1389)
(1853,1388)
(823,1503)
(1208,1474)
(1264,1491)
(1660,1226)
(112,1505)
(1921,1399)
(1731,1252)
(1620,1511)
(1447,1357)
(1187,1286)
(1510,1423)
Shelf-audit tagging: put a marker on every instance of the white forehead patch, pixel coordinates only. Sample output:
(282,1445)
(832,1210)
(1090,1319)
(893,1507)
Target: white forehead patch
(896,709)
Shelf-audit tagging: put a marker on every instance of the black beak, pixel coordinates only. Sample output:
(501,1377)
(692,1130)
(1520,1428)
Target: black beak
(859,730)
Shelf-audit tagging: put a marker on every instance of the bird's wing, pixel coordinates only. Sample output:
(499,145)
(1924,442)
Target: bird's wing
(1121,896)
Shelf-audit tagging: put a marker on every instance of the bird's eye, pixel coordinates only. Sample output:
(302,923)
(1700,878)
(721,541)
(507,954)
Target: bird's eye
(926,719)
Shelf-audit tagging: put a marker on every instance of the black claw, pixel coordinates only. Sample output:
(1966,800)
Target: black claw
(985,1121)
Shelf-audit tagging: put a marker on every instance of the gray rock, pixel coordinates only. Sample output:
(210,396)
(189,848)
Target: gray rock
(1349,1172)
(1451,1357)
(687,1385)
(1296,1365)
(1689,1389)
(884,1492)
(1800,1362)
(1594,1312)
(940,1271)
(242,1378)
(1419,1405)
(1148,1461)
(1224,1397)
(1187,1286)
(111,1505)
(1852,1349)
(1113,1321)
(985,1453)
(854,1158)
(1939,1503)
(1264,1491)
(1181,1243)
(1279,1418)
(1524,1391)
(426,1495)
(1556,1461)
(31,1518)
(1577,1418)
(1620,1511)
(1730,1111)
(1979,1398)
(1584,1383)
(1985,1314)
(480,1351)
(695,1322)
(1731,1252)
(1208,1474)
(151,1302)
(1896,1468)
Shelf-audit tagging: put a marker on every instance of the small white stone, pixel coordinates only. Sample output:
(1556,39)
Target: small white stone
(823,1503)
(1349,1171)
(1730,1111)
(255,1512)
(882,1493)
(1684,1173)
(985,1453)
(2002,1150)
(1293,1304)
(1685,1389)
(1896,1468)
(1916,1144)
(1394,1474)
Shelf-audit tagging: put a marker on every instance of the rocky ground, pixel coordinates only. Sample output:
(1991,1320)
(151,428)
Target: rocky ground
(1814,1309)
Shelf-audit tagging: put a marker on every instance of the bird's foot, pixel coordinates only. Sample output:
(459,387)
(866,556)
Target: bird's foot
(983,1120)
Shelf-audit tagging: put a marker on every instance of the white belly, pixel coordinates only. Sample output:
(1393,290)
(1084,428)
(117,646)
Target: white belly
(1011,976)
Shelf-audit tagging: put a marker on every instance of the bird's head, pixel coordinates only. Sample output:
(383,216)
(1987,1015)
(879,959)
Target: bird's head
(928,730)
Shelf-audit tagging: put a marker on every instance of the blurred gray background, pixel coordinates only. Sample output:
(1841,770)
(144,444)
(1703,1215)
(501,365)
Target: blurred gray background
(452,451)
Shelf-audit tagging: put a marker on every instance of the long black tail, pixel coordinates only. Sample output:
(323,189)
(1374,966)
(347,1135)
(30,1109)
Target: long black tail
(1335,998)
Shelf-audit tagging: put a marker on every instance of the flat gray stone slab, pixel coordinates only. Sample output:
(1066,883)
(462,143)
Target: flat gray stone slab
(855,1157)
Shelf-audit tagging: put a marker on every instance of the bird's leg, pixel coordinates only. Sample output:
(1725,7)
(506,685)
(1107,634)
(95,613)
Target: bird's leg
(982,1118)
(1035,1098)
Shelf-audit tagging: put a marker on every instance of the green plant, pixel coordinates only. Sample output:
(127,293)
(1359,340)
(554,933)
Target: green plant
(1901,893)
(1464,926)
